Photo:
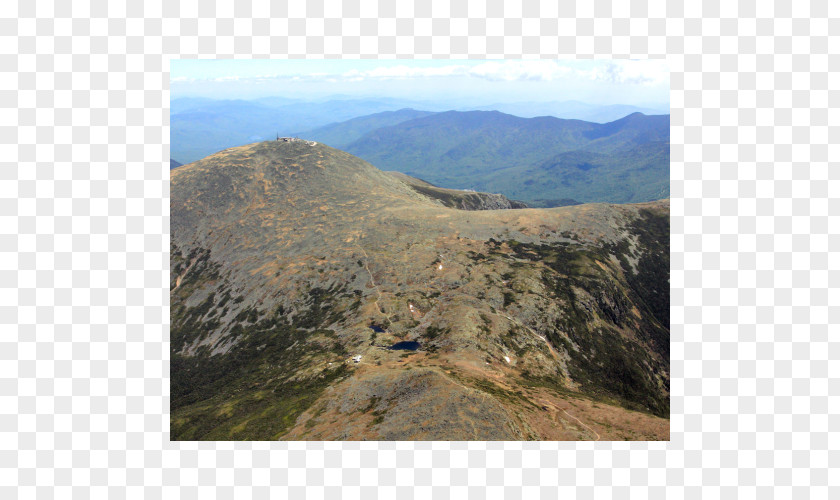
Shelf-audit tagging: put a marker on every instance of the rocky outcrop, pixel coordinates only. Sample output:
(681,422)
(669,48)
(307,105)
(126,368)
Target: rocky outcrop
(460,199)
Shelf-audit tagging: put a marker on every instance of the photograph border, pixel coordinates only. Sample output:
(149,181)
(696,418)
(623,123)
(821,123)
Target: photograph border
(754,250)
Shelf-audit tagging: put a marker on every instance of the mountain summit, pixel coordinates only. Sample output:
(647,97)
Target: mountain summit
(314,296)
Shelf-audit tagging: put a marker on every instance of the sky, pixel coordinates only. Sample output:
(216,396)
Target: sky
(471,82)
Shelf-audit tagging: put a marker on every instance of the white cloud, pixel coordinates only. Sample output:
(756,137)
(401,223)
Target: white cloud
(621,71)
(643,72)
(491,70)
(403,71)
(573,72)
(509,71)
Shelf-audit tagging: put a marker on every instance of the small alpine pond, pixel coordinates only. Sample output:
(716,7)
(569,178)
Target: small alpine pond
(406,345)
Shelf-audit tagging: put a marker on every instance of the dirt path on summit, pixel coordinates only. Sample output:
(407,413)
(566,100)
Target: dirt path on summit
(375,286)
(558,409)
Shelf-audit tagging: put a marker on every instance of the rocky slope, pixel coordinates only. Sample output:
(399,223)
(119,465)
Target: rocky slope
(287,259)
(455,198)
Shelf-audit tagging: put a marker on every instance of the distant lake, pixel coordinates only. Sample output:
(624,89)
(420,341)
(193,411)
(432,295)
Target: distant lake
(377,329)
(408,345)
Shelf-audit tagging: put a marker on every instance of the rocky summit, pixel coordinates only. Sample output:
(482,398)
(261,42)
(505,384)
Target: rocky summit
(315,297)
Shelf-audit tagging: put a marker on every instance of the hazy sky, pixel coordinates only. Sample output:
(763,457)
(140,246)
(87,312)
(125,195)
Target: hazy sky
(640,83)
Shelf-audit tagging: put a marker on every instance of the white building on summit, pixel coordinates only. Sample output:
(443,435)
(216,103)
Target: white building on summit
(295,139)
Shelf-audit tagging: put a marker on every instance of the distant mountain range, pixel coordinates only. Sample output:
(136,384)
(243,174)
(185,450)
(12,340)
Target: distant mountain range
(339,135)
(544,161)
(202,126)
(572,110)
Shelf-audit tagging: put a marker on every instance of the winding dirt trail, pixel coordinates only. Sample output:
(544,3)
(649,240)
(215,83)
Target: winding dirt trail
(597,436)
(558,409)
(375,286)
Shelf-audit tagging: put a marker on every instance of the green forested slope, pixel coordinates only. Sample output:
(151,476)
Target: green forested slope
(622,161)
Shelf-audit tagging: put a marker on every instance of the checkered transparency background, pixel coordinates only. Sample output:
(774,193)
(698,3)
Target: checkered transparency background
(84,132)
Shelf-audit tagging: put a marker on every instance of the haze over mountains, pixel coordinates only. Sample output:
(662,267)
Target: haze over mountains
(570,110)
(342,134)
(199,123)
(542,160)
(200,127)
(288,259)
